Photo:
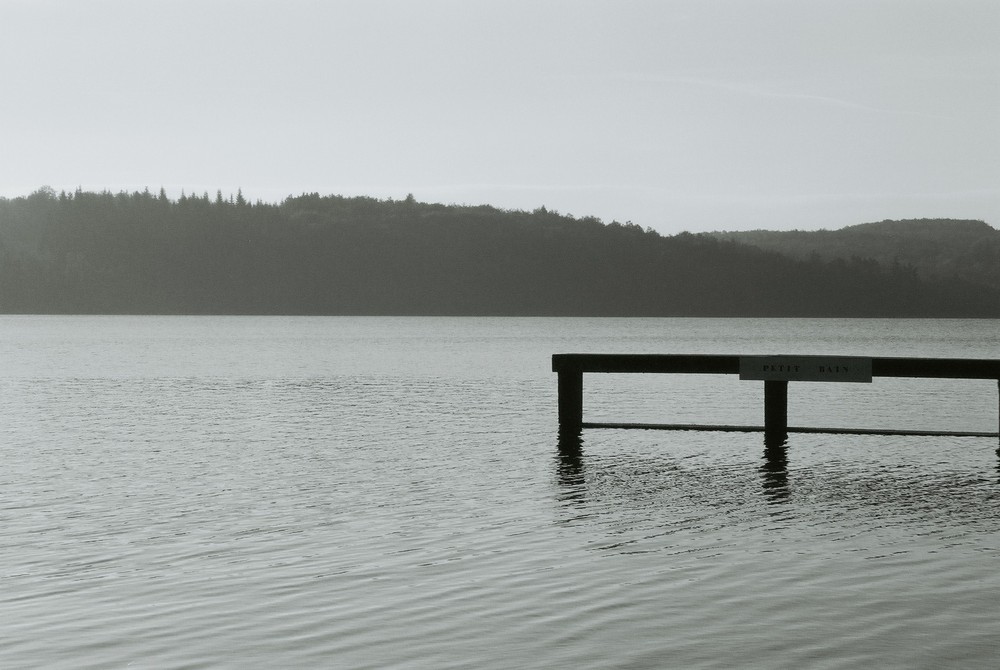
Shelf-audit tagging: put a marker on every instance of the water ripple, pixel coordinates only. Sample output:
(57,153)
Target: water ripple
(366,517)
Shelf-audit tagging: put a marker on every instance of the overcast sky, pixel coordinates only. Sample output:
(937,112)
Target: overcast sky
(679,115)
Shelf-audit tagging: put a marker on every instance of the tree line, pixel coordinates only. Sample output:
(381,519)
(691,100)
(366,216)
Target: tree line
(145,253)
(935,248)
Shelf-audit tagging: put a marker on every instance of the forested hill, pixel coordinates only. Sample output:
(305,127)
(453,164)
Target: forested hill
(933,247)
(141,253)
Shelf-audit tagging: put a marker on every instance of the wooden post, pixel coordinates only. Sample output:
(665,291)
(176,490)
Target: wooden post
(776,409)
(570,399)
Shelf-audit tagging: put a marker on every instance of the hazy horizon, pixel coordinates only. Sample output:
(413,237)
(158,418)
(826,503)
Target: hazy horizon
(673,115)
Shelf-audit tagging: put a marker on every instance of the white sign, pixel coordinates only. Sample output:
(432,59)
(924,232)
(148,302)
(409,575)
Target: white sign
(806,368)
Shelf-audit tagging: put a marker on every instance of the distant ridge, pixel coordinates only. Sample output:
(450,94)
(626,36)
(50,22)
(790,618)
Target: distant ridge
(934,248)
(143,253)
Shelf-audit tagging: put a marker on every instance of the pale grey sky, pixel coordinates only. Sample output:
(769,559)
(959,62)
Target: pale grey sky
(679,115)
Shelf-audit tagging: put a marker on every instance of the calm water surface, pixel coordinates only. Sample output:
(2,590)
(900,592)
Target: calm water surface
(206,492)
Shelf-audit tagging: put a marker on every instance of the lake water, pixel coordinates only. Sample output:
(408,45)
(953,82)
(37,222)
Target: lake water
(234,492)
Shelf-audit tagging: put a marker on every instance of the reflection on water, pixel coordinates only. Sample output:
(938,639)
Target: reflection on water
(569,466)
(571,477)
(774,469)
(643,482)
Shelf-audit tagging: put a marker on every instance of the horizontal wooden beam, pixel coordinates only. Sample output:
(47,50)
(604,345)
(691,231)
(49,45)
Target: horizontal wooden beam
(956,368)
(662,363)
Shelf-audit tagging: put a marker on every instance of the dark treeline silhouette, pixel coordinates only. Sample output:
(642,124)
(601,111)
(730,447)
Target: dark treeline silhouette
(144,253)
(935,248)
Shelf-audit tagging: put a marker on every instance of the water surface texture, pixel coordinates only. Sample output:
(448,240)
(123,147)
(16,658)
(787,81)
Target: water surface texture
(207,492)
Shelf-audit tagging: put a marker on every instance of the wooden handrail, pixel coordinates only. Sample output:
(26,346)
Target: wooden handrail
(571,367)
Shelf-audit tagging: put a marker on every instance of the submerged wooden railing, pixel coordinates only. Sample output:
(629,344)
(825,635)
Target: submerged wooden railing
(774,371)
